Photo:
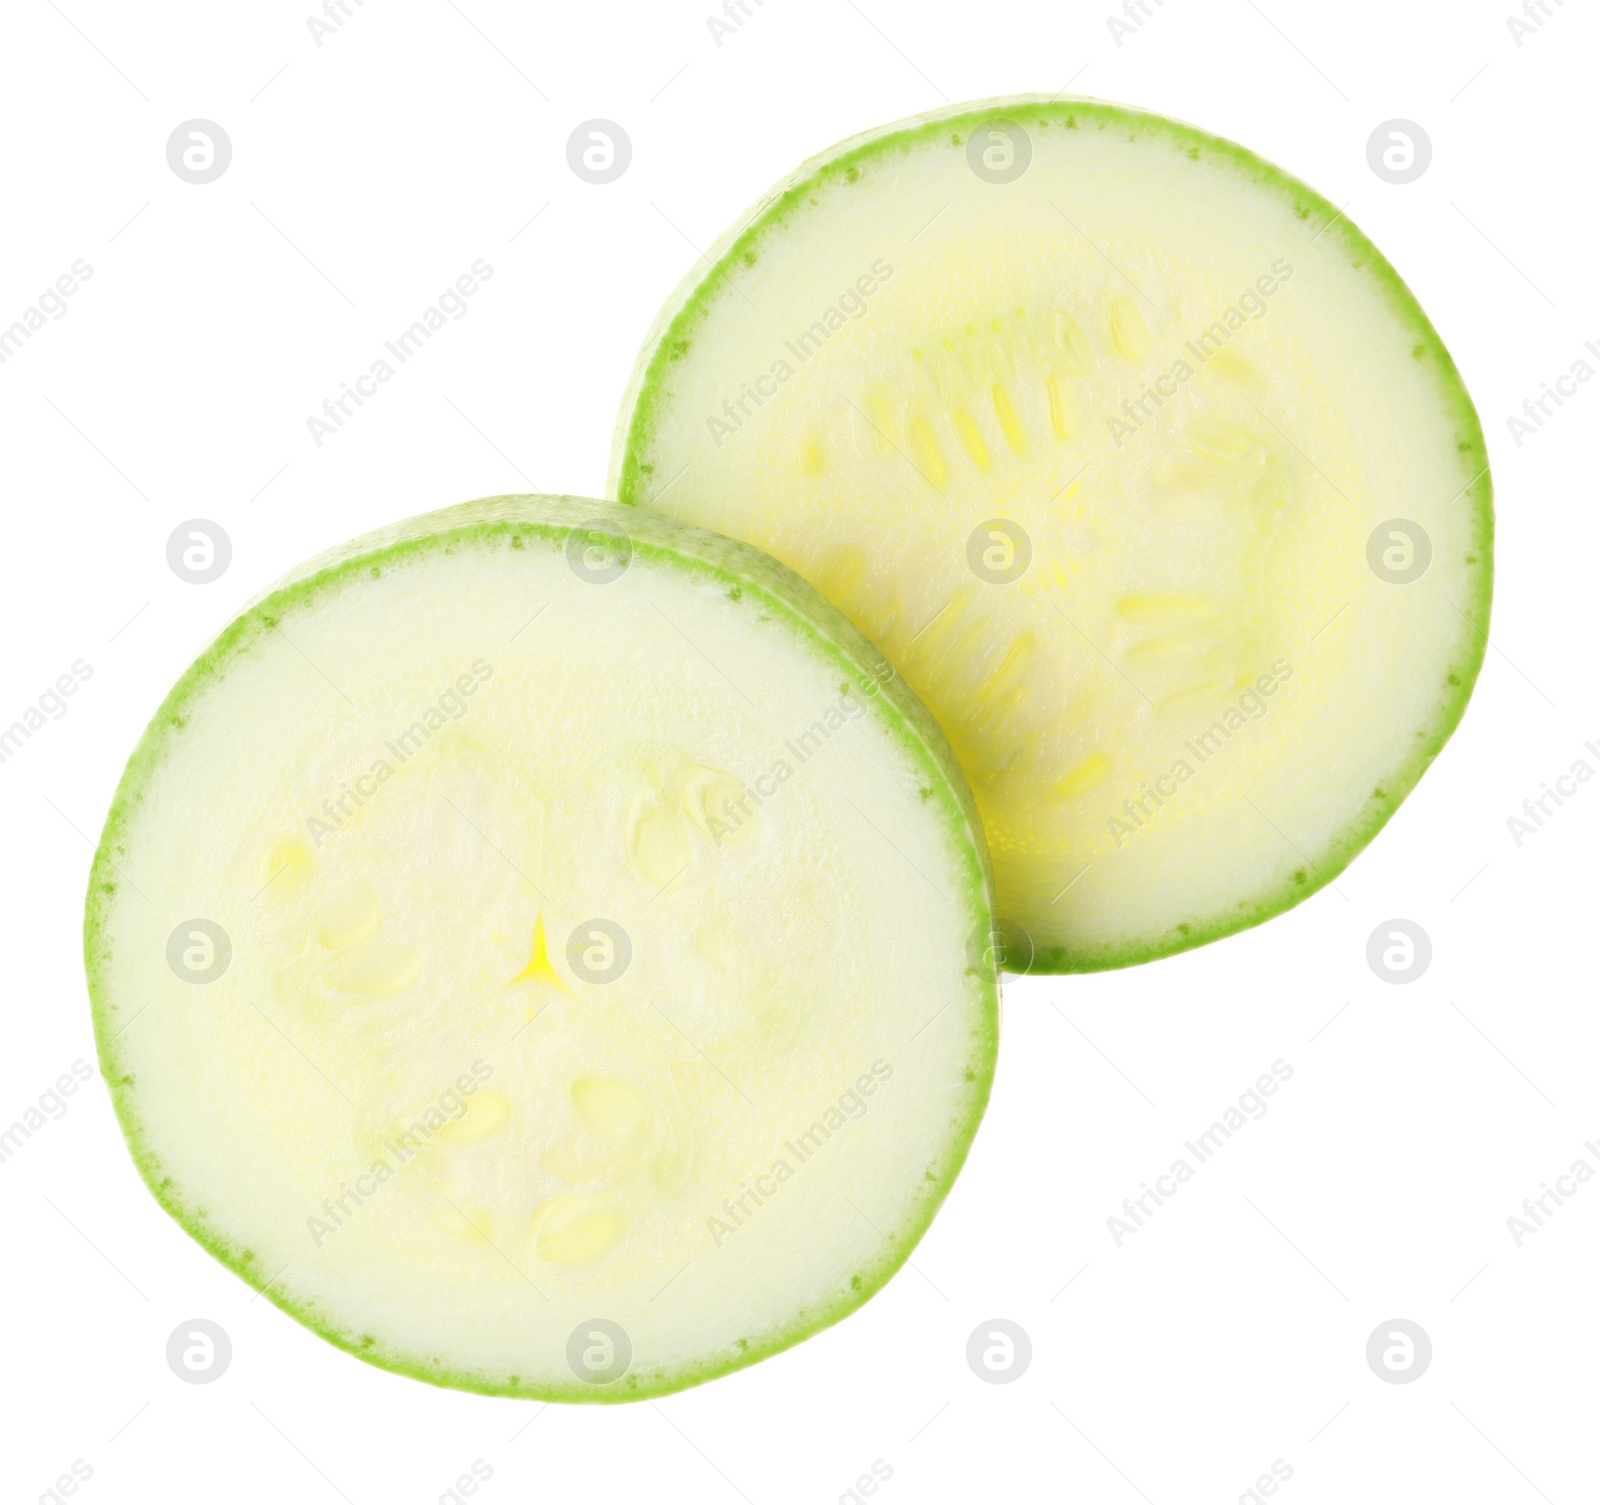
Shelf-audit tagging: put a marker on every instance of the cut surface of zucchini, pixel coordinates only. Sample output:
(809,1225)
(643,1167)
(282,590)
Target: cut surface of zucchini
(1137,460)
(543,948)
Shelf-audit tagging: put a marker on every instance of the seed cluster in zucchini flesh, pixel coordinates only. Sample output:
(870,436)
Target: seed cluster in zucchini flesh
(546,964)
(1136,459)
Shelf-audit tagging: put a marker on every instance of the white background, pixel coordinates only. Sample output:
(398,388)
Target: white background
(367,175)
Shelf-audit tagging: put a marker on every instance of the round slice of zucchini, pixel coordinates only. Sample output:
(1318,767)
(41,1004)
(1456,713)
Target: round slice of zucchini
(1136,459)
(545,950)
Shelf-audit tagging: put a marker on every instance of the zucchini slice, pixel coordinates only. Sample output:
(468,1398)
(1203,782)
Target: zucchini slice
(544,949)
(1136,459)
